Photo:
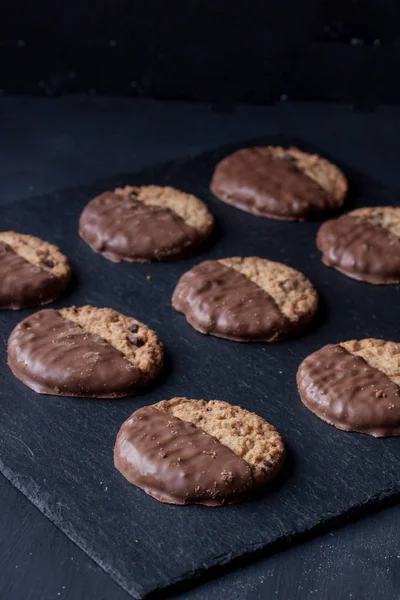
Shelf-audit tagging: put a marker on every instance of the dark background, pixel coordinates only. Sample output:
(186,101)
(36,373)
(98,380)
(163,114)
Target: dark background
(224,51)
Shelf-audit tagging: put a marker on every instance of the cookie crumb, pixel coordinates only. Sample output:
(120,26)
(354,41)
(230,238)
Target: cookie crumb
(210,452)
(227,476)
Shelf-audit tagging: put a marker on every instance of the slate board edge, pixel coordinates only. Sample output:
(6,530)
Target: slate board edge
(367,505)
(193,578)
(229,562)
(281,139)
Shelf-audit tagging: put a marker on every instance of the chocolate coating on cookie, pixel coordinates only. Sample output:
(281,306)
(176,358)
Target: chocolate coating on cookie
(22,284)
(245,433)
(347,392)
(221,301)
(53,355)
(360,249)
(271,182)
(176,462)
(121,226)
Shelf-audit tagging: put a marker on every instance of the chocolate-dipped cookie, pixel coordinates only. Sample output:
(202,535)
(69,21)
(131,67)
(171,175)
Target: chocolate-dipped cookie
(354,386)
(279,183)
(87,352)
(364,244)
(32,272)
(142,224)
(184,451)
(246,299)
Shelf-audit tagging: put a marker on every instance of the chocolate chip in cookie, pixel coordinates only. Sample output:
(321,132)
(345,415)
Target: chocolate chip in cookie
(32,271)
(83,352)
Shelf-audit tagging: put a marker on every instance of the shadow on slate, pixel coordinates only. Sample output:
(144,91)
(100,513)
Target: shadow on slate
(59,451)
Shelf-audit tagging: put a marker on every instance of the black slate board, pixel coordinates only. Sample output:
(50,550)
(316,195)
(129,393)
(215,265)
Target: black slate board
(58,451)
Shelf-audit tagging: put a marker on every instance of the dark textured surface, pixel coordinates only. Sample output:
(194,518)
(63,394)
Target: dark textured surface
(359,561)
(222,51)
(258,377)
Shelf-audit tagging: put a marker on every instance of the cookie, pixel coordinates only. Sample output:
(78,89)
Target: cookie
(142,224)
(87,352)
(364,244)
(279,183)
(246,299)
(354,386)
(32,272)
(184,451)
